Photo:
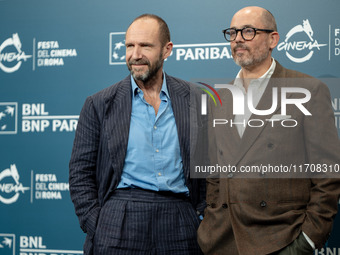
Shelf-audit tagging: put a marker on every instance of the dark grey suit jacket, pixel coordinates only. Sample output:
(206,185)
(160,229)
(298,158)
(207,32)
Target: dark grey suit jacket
(101,142)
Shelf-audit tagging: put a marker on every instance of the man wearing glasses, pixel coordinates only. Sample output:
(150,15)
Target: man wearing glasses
(261,212)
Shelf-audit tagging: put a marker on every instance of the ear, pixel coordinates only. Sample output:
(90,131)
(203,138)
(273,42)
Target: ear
(274,39)
(167,49)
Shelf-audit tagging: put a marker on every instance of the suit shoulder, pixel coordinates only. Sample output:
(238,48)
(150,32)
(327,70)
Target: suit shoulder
(185,85)
(177,80)
(296,74)
(109,91)
(304,80)
(98,100)
(282,72)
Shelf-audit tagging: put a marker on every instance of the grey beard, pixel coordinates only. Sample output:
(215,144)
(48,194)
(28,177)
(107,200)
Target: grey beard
(148,75)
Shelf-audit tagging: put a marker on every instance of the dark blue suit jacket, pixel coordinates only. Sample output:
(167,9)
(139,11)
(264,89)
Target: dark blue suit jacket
(101,142)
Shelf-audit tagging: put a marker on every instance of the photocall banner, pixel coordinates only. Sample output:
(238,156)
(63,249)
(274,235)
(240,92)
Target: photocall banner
(53,54)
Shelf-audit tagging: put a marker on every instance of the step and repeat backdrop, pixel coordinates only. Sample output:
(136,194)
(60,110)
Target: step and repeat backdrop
(53,54)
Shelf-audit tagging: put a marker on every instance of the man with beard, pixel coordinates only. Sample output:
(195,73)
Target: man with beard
(129,169)
(259,212)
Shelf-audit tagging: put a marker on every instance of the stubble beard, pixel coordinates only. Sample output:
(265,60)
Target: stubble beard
(253,59)
(150,73)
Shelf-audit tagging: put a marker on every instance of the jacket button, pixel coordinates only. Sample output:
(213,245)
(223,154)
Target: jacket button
(225,206)
(263,204)
(270,146)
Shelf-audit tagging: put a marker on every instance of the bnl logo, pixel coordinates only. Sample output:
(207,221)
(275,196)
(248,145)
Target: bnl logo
(8,118)
(7,244)
(117,48)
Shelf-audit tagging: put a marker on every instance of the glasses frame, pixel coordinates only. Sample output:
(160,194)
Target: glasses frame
(224,31)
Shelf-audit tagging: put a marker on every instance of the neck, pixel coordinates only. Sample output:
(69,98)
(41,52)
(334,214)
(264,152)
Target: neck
(254,72)
(152,89)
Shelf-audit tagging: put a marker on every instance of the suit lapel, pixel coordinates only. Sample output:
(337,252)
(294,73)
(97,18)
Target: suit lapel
(118,115)
(180,97)
(227,132)
(252,133)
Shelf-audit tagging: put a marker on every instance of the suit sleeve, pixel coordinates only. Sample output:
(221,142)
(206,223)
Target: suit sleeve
(82,175)
(323,147)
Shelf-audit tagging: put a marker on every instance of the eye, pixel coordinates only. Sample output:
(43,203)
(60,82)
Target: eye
(248,31)
(146,45)
(231,32)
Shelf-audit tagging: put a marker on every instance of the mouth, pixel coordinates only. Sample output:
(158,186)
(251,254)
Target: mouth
(240,49)
(139,67)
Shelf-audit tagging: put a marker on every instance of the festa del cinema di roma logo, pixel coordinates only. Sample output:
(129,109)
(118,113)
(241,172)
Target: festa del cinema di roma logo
(303,48)
(11,54)
(10,187)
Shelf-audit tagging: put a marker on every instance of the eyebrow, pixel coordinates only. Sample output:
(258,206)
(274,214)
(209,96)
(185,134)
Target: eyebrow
(140,43)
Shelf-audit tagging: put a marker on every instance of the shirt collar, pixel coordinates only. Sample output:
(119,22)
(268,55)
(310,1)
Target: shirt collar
(135,87)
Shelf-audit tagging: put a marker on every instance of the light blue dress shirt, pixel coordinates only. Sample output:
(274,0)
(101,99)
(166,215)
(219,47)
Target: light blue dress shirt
(153,159)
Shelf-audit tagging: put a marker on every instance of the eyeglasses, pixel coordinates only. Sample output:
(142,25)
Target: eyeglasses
(247,33)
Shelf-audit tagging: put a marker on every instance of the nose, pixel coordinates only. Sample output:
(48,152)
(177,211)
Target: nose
(239,37)
(136,53)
